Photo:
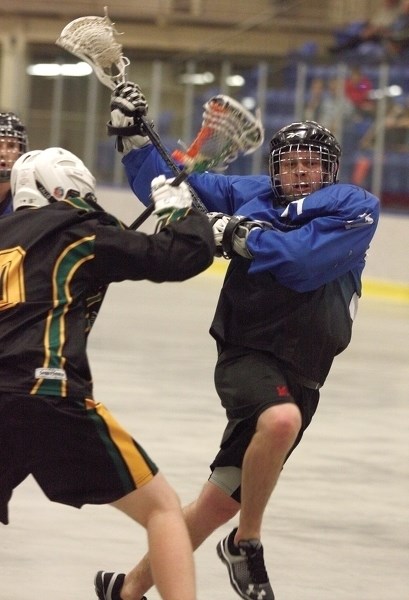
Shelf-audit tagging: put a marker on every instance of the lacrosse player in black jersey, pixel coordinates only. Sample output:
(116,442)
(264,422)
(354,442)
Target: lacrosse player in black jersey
(58,253)
(13,143)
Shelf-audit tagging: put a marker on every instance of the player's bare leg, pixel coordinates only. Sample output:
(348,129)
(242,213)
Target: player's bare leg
(157,508)
(242,551)
(209,511)
(277,429)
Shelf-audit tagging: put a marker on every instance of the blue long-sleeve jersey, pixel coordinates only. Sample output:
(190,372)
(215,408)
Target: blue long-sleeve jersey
(314,240)
(296,298)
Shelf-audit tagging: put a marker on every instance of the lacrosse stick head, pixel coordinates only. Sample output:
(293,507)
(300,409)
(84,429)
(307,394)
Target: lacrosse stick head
(227,130)
(93,39)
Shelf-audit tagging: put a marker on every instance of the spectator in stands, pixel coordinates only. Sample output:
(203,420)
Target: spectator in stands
(335,107)
(358,89)
(314,100)
(396,138)
(397,38)
(373,30)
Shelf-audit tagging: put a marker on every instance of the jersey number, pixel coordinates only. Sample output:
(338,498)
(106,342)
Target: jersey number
(11,277)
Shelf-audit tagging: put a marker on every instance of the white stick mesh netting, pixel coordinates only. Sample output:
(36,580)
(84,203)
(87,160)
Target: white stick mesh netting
(93,39)
(227,130)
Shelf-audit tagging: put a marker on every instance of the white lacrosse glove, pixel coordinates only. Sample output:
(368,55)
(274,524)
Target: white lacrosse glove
(171,202)
(218,222)
(128,105)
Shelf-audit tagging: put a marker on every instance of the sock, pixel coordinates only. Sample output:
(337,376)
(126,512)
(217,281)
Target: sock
(233,549)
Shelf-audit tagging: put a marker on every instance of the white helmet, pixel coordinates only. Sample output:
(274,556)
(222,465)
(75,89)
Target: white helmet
(41,177)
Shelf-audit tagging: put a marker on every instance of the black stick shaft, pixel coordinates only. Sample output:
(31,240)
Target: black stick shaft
(180,174)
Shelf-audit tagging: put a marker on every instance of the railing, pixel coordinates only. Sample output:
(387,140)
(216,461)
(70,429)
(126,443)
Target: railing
(310,13)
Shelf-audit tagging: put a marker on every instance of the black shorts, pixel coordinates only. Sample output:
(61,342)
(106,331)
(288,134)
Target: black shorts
(75,450)
(248,382)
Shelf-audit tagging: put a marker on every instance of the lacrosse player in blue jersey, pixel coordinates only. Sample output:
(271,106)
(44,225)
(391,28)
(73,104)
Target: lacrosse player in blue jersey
(13,143)
(297,241)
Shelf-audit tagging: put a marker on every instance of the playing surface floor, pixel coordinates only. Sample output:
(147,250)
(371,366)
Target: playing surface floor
(337,527)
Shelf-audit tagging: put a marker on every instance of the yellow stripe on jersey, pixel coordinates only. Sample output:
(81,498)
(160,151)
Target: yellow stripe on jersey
(69,261)
(123,449)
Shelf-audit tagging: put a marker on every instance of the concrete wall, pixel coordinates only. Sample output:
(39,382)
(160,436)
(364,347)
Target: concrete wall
(388,257)
(387,270)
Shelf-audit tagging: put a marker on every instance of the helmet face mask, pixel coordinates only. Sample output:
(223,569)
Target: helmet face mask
(13,143)
(304,158)
(41,177)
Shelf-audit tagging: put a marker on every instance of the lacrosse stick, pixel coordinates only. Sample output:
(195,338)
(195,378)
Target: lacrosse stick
(227,130)
(93,39)
(227,127)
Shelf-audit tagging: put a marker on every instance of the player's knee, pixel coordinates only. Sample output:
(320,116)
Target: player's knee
(280,423)
(156,497)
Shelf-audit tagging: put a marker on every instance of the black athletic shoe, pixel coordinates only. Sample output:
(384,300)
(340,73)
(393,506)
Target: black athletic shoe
(108,585)
(245,564)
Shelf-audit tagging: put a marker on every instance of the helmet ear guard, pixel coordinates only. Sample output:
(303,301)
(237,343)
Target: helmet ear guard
(23,185)
(41,177)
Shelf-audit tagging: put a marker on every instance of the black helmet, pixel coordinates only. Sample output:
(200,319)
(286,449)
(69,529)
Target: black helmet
(307,136)
(11,127)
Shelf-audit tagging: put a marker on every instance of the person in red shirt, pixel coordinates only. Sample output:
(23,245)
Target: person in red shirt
(358,89)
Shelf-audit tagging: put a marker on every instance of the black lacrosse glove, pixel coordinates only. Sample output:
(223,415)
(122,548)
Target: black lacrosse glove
(128,108)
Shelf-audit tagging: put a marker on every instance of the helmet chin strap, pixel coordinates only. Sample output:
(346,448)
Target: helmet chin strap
(91,199)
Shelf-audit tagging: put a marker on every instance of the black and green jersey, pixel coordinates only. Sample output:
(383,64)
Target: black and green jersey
(55,265)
